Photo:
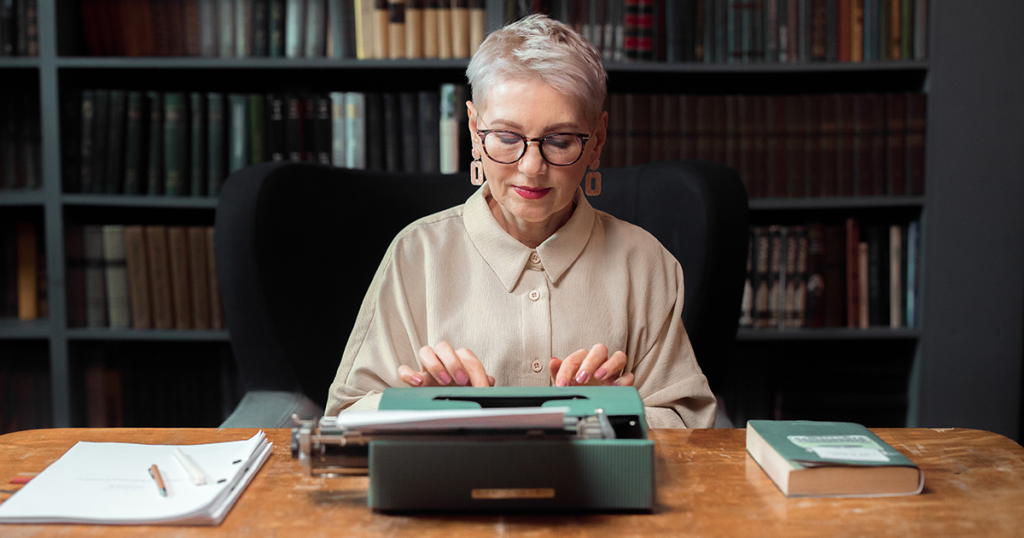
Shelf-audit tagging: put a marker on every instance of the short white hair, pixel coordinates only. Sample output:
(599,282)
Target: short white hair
(539,48)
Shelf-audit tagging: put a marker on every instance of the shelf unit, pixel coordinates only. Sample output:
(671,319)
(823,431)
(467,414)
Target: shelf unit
(55,73)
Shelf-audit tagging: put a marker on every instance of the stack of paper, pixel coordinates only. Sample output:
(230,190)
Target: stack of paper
(109,483)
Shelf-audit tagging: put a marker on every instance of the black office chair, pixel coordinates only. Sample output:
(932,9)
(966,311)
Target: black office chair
(297,245)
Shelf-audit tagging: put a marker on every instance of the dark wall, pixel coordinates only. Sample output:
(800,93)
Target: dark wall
(969,369)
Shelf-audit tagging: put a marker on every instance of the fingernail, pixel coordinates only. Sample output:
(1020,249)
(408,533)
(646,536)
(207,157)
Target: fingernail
(444,378)
(601,373)
(417,380)
(461,378)
(581,377)
(561,383)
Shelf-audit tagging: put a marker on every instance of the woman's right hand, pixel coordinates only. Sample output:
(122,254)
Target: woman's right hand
(443,365)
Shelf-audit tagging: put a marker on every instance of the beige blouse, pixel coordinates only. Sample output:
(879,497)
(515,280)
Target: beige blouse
(457,276)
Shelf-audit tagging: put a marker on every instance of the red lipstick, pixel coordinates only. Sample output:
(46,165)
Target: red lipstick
(531,194)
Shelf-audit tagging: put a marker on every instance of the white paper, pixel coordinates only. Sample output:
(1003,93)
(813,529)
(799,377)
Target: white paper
(496,418)
(110,483)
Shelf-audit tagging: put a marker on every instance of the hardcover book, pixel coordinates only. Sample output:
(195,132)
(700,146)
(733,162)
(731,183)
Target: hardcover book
(830,459)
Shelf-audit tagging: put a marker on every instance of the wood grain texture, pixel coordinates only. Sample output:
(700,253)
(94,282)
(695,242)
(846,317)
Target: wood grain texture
(707,486)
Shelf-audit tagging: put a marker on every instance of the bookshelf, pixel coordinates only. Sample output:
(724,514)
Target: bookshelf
(63,350)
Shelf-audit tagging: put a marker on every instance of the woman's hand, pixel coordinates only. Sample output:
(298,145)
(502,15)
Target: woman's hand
(590,368)
(442,365)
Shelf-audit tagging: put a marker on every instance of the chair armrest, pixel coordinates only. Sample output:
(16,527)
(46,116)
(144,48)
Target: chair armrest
(271,409)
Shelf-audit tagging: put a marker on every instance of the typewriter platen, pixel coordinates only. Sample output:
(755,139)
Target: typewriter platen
(588,452)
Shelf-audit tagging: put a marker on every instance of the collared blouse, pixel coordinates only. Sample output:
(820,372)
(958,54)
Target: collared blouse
(458,276)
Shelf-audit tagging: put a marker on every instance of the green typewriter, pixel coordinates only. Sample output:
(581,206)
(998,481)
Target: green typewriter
(490,449)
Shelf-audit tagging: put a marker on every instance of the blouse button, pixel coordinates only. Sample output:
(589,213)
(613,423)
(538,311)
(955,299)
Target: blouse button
(534,295)
(535,258)
(537,367)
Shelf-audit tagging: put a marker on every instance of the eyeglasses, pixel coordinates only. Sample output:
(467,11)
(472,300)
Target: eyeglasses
(507,147)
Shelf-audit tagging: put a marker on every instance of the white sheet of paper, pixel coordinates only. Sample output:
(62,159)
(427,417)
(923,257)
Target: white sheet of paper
(491,418)
(110,483)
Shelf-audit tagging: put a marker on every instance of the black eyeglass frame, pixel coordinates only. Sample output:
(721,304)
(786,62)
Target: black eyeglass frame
(584,138)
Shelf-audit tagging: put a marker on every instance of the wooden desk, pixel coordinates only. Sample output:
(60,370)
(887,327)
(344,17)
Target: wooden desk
(707,486)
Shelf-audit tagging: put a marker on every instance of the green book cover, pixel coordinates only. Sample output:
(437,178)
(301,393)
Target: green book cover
(809,458)
(215,139)
(197,152)
(133,144)
(239,132)
(155,170)
(276,37)
(257,129)
(175,136)
(907,30)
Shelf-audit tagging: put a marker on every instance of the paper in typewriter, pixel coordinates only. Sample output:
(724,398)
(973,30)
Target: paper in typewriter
(447,419)
(109,483)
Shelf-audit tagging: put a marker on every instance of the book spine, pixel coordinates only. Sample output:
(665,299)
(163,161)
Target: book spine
(396,29)
(116,277)
(95,280)
(776,266)
(894,20)
(85,155)
(895,143)
(257,129)
(355,129)
(392,132)
(913,248)
(857,31)
(431,46)
(324,129)
(294,25)
(761,282)
(181,295)
(747,301)
(215,139)
(277,128)
(75,261)
(243,28)
(852,273)
(226,20)
(915,127)
(198,285)
(28,270)
(155,160)
(477,25)
(216,309)
(101,135)
(198,144)
(309,130)
(444,29)
(460,28)
(275,48)
(134,142)
(381,21)
(114,182)
(260,28)
(138,277)
(863,286)
(159,277)
(315,43)
(208,38)
(409,129)
(239,132)
(429,126)
(175,136)
(788,290)
(815,307)
(845,162)
(896,297)
(375,132)
(338,138)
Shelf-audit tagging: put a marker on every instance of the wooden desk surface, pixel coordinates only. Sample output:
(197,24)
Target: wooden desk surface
(707,486)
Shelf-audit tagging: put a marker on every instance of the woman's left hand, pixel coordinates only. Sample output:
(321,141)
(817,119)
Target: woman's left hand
(592,367)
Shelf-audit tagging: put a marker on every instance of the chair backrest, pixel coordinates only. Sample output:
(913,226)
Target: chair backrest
(297,245)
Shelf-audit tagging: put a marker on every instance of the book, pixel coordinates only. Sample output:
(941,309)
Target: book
(315,39)
(374,129)
(393,147)
(135,142)
(216,308)
(226,20)
(101,136)
(238,133)
(215,133)
(477,25)
(198,283)
(175,140)
(355,129)
(444,28)
(108,483)
(460,28)
(429,108)
(381,21)
(208,28)
(260,28)
(338,135)
(155,151)
(295,25)
(28,270)
(897,295)
(431,47)
(114,181)
(342,29)
(138,277)
(181,293)
(396,29)
(159,277)
(116,277)
(74,275)
(276,28)
(852,273)
(451,100)
(834,459)
(198,144)
(323,126)
(409,129)
(257,129)
(95,278)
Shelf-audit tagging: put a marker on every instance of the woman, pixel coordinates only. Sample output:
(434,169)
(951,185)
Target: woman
(534,285)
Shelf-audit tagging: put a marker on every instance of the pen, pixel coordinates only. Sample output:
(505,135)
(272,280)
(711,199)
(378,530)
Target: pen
(194,472)
(155,473)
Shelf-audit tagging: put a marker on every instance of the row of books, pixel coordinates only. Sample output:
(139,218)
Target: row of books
(22,271)
(819,275)
(142,277)
(744,31)
(198,391)
(176,144)
(284,28)
(19,28)
(25,394)
(20,141)
(781,145)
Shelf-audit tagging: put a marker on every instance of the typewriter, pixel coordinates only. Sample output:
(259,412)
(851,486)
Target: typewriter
(490,449)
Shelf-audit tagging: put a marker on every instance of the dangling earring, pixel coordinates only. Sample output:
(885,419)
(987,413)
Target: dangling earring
(476,169)
(595,177)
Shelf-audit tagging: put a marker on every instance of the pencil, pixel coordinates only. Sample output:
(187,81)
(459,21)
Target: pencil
(155,473)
